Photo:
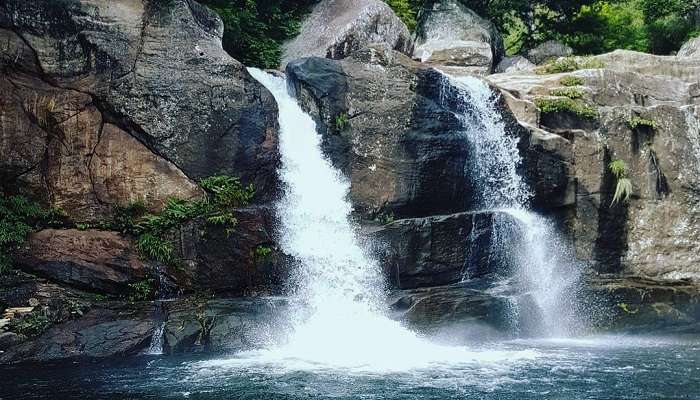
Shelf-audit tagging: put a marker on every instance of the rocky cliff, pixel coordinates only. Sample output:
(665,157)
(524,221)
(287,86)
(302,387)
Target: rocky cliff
(109,105)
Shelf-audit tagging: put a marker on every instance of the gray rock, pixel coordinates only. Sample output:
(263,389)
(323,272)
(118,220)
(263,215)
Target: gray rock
(440,250)
(547,51)
(223,325)
(691,48)
(336,28)
(452,35)
(106,332)
(9,339)
(514,64)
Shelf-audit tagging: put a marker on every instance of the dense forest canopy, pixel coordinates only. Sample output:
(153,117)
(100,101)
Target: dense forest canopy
(256,29)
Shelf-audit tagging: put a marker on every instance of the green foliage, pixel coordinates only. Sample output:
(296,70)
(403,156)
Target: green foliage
(566,105)
(618,168)
(385,218)
(227,191)
(623,187)
(254,30)
(30,325)
(18,218)
(568,64)
(570,92)
(152,230)
(261,253)
(155,247)
(636,122)
(141,291)
(406,10)
(571,81)
(341,121)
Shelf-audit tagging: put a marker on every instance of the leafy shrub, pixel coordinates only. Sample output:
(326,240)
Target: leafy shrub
(30,325)
(18,218)
(571,81)
(261,253)
(636,122)
(623,187)
(570,92)
(141,291)
(152,230)
(566,105)
(568,64)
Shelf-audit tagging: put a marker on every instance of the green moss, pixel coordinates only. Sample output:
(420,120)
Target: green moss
(636,122)
(570,92)
(566,105)
(571,81)
(569,64)
(261,253)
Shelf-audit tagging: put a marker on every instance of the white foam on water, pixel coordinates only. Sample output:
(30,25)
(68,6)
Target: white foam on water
(546,271)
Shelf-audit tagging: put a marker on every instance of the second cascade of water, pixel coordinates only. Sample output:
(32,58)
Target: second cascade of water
(544,274)
(341,322)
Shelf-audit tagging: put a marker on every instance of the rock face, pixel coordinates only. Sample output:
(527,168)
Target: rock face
(441,250)
(95,260)
(214,260)
(452,35)
(94,105)
(691,48)
(548,50)
(336,28)
(104,332)
(224,325)
(648,118)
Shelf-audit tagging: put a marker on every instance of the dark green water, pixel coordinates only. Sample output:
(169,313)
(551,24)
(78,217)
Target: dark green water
(600,368)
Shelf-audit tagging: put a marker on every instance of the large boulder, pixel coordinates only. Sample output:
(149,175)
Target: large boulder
(514,64)
(691,48)
(336,28)
(451,35)
(547,51)
(93,105)
(95,260)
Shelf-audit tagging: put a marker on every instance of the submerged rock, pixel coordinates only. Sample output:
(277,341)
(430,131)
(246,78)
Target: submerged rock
(451,35)
(336,28)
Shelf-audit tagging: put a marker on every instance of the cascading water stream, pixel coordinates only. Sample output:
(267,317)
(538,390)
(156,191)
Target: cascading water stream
(545,272)
(340,287)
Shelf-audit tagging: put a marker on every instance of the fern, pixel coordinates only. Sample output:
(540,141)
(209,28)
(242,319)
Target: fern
(623,187)
(155,247)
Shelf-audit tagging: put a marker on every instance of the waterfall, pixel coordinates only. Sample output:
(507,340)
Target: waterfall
(340,287)
(545,274)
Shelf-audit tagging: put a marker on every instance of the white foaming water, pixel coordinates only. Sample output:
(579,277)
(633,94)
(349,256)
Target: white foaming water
(341,323)
(546,273)
(156,346)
